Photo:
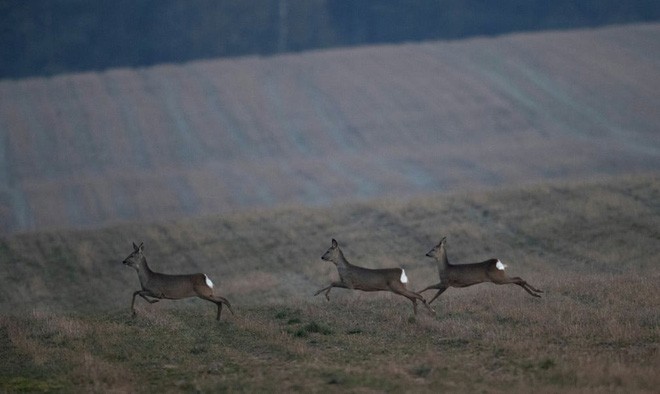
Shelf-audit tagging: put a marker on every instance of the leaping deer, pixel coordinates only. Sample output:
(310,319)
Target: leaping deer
(365,279)
(157,286)
(463,275)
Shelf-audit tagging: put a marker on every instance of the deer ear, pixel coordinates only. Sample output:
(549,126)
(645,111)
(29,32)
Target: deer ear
(135,247)
(141,247)
(334,243)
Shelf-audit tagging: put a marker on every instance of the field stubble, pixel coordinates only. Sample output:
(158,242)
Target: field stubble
(591,247)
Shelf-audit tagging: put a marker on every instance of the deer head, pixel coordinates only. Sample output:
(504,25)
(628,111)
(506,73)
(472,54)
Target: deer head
(333,253)
(134,259)
(436,251)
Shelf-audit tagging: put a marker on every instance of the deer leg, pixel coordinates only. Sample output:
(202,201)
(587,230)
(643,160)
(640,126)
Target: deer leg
(517,281)
(441,288)
(528,288)
(435,286)
(528,285)
(143,294)
(328,288)
(226,302)
(133,302)
(149,300)
(428,306)
(414,301)
(216,299)
(440,291)
(412,296)
(529,291)
(219,310)
(218,303)
(223,300)
(326,294)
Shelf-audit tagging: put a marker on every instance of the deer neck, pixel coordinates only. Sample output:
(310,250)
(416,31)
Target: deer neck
(144,272)
(442,259)
(344,270)
(342,264)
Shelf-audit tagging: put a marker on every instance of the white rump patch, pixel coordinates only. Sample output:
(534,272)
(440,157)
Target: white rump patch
(404,278)
(500,266)
(208,281)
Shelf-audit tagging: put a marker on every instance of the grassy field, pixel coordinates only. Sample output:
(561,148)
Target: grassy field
(592,247)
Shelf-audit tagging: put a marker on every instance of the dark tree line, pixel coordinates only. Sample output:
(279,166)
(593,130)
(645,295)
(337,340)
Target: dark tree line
(45,37)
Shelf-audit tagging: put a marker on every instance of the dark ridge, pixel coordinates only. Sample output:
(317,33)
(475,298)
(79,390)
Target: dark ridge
(48,37)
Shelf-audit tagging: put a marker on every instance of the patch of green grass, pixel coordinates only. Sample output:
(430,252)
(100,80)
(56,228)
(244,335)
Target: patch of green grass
(546,363)
(347,380)
(319,328)
(453,342)
(422,371)
(21,384)
(312,327)
(291,315)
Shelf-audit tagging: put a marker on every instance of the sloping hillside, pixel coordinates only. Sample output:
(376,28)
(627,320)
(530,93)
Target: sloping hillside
(543,232)
(317,128)
(65,320)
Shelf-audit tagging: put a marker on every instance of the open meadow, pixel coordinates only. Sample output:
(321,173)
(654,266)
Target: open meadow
(593,248)
(538,148)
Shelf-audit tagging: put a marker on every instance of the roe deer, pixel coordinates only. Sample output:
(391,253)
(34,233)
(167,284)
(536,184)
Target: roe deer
(365,279)
(463,275)
(172,287)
